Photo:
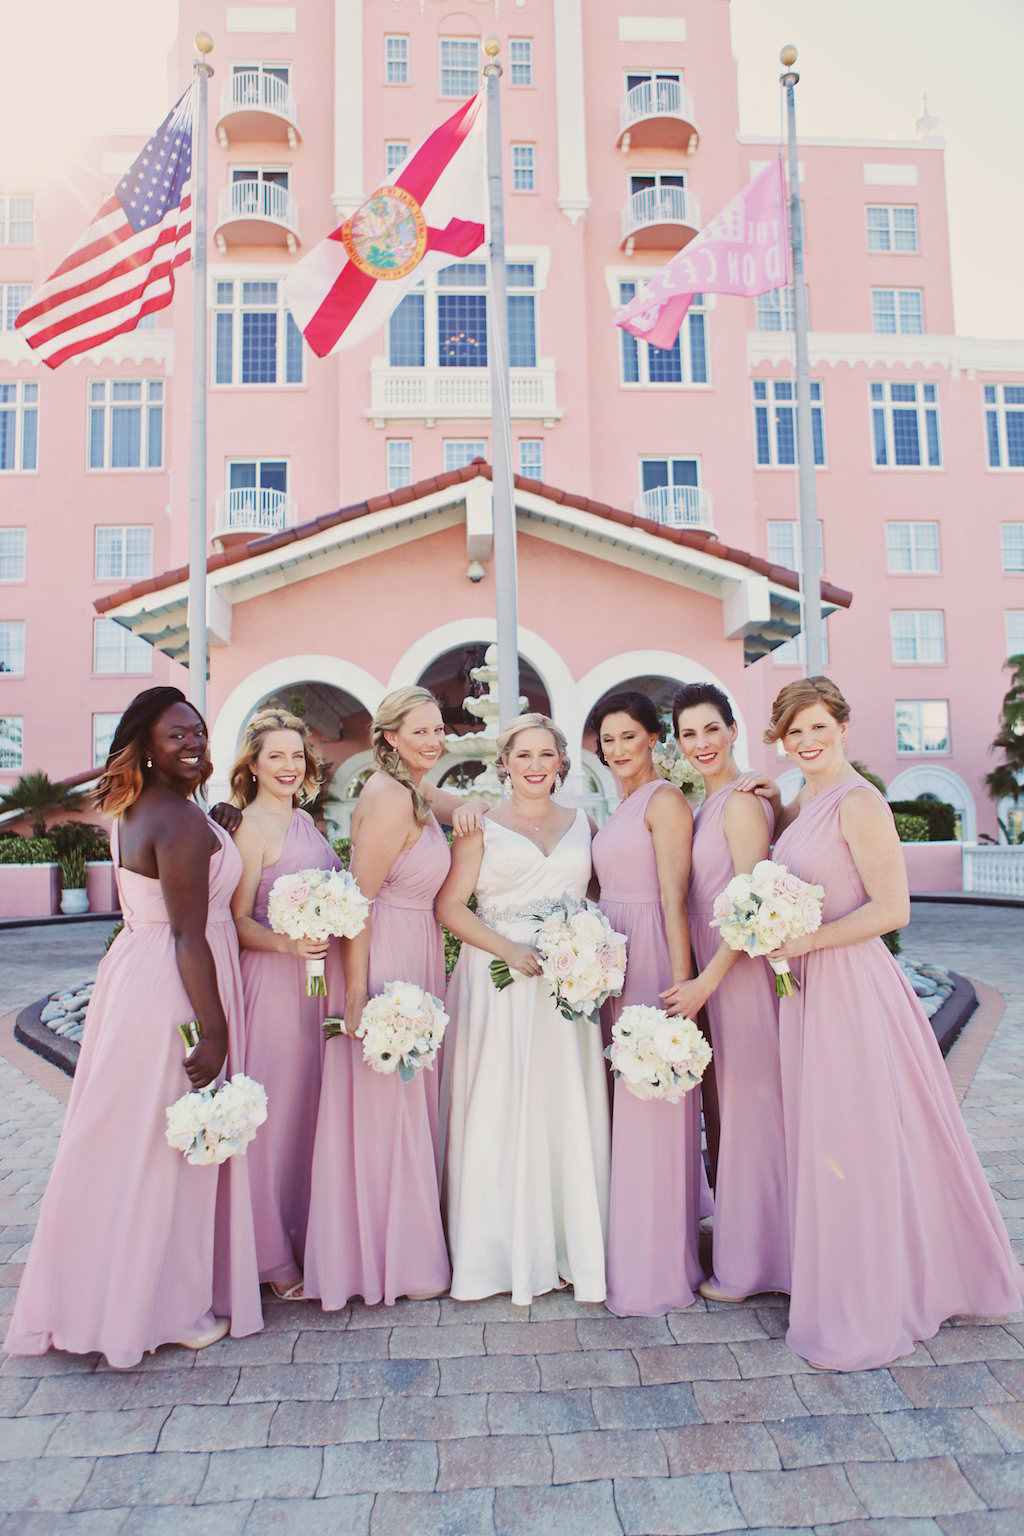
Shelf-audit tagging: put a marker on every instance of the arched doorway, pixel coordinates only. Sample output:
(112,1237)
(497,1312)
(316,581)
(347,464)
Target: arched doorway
(927,781)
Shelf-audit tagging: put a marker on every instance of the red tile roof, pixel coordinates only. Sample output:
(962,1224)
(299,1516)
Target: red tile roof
(262,544)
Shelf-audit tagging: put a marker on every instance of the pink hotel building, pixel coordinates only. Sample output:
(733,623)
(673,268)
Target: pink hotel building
(656,503)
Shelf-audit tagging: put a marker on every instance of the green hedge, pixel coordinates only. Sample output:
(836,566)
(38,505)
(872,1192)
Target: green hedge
(27,850)
(938,814)
(911,829)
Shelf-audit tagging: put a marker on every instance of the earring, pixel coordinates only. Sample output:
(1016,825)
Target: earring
(252,776)
(149,762)
(506,789)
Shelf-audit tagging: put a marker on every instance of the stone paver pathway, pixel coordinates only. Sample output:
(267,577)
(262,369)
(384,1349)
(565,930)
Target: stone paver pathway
(490,1420)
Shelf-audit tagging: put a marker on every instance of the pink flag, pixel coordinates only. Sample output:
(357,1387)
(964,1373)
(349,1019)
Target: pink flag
(428,215)
(744,251)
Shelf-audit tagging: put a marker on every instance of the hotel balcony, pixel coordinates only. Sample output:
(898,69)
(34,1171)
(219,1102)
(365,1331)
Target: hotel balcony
(678,506)
(253,510)
(659,219)
(433,394)
(256,213)
(658,114)
(257,106)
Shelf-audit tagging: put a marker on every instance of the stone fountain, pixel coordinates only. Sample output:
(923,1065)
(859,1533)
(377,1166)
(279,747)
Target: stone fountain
(482,745)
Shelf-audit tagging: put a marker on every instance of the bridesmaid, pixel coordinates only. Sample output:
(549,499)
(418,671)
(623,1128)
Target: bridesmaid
(731,833)
(135,1247)
(642,861)
(275,769)
(894,1227)
(375,1221)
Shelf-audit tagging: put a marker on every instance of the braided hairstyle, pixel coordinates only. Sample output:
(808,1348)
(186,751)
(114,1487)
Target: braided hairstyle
(390,714)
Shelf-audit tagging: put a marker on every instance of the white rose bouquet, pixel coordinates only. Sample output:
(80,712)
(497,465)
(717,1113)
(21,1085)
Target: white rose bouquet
(657,1057)
(673,766)
(758,912)
(401,1029)
(317,904)
(213,1124)
(583,959)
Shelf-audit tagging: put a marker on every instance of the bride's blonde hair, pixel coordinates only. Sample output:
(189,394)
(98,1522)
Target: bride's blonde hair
(392,711)
(531,722)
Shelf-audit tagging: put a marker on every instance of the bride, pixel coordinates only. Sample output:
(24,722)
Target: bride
(524,1099)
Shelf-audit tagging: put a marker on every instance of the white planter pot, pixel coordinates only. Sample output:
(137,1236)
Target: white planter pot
(74,901)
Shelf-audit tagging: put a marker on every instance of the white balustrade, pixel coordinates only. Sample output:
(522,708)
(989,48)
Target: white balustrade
(258,200)
(660,205)
(254,509)
(456,392)
(992,870)
(679,506)
(252,90)
(656,98)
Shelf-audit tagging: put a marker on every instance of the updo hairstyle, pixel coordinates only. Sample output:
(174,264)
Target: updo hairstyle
(630,702)
(242,782)
(693,694)
(803,694)
(531,722)
(392,711)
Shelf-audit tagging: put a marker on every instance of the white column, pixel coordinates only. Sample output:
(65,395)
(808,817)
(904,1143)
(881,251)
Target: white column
(573,197)
(348,106)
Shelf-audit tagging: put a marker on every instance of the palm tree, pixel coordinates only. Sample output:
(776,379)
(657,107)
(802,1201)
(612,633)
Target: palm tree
(37,797)
(1006,781)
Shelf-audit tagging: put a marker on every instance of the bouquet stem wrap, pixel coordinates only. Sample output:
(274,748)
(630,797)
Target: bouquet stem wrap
(316,985)
(785,982)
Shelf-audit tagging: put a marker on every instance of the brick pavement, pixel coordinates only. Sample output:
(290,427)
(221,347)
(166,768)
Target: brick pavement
(486,1419)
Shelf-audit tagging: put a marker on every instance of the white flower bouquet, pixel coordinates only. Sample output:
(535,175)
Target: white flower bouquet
(657,1057)
(317,904)
(583,959)
(401,1029)
(758,912)
(673,766)
(213,1124)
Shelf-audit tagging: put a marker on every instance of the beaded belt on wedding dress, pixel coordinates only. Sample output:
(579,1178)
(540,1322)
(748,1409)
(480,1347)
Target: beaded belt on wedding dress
(492,915)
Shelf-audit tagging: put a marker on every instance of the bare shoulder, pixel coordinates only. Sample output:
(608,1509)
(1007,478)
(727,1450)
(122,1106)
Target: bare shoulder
(177,821)
(863,811)
(381,791)
(668,807)
(744,813)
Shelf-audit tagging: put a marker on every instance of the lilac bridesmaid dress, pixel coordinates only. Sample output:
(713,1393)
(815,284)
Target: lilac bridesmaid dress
(284,1051)
(654,1213)
(134,1246)
(894,1227)
(751,1234)
(375,1218)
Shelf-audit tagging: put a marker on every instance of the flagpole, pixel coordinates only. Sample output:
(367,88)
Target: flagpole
(197,527)
(810,566)
(503,485)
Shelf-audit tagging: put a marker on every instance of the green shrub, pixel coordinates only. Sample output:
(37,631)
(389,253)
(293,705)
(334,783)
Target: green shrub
(865,773)
(939,815)
(81,837)
(117,928)
(892,941)
(911,829)
(27,850)
(72,870)
(343,848)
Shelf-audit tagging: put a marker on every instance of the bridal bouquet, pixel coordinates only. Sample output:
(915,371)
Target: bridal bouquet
(401,1029)
(657,1057)
(758,912)
(213,1124)
(583,959)
(317,904)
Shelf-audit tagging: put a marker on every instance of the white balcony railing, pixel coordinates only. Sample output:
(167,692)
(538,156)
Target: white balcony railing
(256,213)
(427,394)
(251,97)
(654,99)
(680,506)
(993,871)
(255,509)
(656,207)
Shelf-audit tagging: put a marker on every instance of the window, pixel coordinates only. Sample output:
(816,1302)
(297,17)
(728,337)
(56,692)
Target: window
(257,493)
(520,60)
(922,725)
(1012,538)
(523,171)
(13,297)
(917,635)
(255,339)
(892,229)
(103,728)
(126,423)
(1015,632)
(116,649)
(670,491)
(784,549)
(897,311)
(399,463)
(459,453)
(1004,425)
(124,554)
(655,91)
(12,647)
(912,548)
(775,421)
(684,362)
(17,220)
(445,322)
(396,60)
(12,554)
(460,66)
(19,424)
(531,457)
(260,85)
(905,424)
(775,310)
(11,732)
(396,152)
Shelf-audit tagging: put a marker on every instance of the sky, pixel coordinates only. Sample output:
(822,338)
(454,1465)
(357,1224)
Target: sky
(863,64)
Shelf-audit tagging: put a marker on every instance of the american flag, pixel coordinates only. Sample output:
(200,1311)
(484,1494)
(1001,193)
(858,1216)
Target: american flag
(123,266)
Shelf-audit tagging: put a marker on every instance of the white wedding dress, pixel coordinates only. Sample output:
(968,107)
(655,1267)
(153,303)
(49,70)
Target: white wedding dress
(524,1099)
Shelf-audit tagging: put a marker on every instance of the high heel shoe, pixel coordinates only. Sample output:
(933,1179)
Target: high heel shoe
(212,1335)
